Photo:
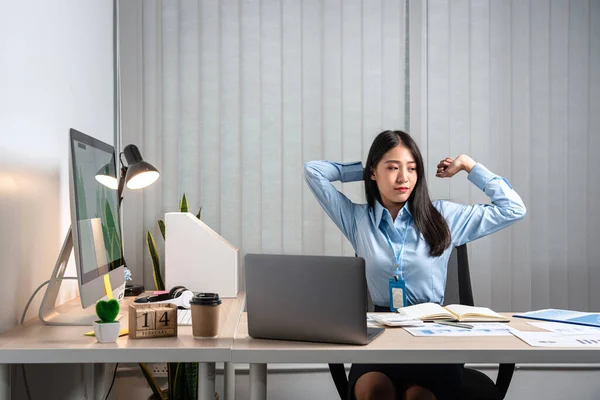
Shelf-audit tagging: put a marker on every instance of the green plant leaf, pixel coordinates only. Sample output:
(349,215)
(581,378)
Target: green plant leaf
(171,368)
(158,280)
(161,226)
(178,388)
(183,205)
(176,379)
(199,215)
(191,376)
(151,382)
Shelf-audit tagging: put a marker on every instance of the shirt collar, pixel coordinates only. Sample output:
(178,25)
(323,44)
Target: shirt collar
(380,210)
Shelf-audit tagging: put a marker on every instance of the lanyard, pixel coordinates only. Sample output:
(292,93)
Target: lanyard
(398,254)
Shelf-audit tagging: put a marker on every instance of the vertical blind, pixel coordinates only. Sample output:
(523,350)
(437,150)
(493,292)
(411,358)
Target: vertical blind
(515,84)
(229,98)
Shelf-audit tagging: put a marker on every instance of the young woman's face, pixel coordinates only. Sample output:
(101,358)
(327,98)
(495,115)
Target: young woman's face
(396,175)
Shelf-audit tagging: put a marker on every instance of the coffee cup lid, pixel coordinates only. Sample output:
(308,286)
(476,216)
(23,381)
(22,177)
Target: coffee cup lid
(206,299)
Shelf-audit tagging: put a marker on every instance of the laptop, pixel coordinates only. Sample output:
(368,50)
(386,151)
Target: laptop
(307,298)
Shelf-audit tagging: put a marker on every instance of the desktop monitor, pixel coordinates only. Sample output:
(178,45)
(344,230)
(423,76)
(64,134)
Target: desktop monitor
(94,219)
(95,234)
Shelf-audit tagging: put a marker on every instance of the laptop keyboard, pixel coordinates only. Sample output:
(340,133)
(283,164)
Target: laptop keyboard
(184,317)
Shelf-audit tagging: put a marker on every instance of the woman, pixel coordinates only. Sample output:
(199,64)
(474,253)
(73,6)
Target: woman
(401,232)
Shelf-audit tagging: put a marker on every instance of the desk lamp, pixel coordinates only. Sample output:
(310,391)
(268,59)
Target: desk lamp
(138,174)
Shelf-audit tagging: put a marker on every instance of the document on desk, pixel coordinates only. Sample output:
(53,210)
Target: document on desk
(566,329)
(553,339)
(481,329)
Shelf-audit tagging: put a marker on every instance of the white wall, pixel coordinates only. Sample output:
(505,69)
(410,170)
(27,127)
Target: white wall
(56,73)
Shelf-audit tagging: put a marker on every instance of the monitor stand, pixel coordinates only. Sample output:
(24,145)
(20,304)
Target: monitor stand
(67,314)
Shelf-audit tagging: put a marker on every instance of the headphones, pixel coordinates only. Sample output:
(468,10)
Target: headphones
(178,295)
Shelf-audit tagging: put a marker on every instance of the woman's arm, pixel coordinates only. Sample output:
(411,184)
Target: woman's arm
(470,222)
(319,175)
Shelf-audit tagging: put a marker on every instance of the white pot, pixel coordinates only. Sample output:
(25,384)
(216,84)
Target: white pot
(107,332)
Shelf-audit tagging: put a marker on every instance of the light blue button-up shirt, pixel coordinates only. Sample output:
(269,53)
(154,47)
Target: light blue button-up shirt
(425,276)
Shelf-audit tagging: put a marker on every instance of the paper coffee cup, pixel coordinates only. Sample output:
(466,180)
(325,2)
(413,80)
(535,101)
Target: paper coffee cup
(205,314)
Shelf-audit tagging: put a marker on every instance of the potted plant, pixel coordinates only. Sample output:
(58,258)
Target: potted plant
(106,328)
(182,376)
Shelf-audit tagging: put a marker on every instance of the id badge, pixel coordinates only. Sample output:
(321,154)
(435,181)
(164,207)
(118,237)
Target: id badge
(397,293)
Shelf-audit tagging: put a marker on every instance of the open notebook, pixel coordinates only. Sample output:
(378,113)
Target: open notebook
(452,312)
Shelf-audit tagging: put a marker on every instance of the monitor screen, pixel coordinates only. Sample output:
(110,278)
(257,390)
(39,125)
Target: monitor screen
(96,206)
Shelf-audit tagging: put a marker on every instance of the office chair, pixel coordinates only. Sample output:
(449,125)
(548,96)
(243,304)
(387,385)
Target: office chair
(476,385)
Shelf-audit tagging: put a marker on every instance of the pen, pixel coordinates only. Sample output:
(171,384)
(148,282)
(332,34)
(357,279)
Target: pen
(456,324)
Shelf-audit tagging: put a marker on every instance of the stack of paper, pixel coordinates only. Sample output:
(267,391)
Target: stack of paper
(392,319)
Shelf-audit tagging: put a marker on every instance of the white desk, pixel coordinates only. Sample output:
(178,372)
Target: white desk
(34,342)
(396,345)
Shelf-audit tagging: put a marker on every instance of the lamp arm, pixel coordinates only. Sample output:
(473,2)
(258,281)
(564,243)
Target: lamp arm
(120,197)
(121,184)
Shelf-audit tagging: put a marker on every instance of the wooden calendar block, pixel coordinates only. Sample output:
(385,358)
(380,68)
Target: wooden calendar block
(152,320)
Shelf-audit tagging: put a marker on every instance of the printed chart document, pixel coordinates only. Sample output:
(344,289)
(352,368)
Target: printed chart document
(452,312)
(553,339)
(486,329)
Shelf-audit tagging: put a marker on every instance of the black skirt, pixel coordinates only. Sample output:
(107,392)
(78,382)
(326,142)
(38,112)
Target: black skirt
(444,380)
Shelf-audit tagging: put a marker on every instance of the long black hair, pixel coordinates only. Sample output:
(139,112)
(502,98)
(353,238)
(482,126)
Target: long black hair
(430,222)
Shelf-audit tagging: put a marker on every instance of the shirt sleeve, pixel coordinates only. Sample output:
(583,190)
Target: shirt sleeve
(470,222)
(319,175)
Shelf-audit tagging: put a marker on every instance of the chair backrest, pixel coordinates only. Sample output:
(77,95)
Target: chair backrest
(458,283)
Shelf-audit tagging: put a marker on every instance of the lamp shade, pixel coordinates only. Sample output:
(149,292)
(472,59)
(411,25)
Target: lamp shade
(108,176)
(139,172)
